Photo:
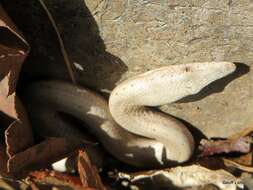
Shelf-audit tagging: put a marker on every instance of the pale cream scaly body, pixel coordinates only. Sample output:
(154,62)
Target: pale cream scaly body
(129,128)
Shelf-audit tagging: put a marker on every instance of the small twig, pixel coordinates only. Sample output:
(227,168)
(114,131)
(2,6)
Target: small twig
(63,50)
(238,166)
(14,180)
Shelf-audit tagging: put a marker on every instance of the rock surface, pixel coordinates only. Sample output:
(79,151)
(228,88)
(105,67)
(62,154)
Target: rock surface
(112,40)
(153,33)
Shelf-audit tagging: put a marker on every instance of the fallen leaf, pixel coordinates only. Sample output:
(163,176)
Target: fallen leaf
(58,179)
(239,143)
(3,160)
(245,159)
(211,147)
(42,154)
(231,163)
(188,176)
(13,51)
(88,173)
(18,135)
(213,163)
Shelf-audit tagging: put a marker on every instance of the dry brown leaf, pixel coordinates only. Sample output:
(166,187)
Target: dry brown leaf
(41,155)
(58,179)
(231,163)
(240,142)
(3,160)
(211,147)
(13,51)
(19,136)
(88,173)
(213,163)
(245,159)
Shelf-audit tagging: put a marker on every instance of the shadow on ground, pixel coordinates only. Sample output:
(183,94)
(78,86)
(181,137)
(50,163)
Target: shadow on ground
(95,67)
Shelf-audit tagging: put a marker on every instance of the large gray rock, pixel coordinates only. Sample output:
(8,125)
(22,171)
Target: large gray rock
(153,33)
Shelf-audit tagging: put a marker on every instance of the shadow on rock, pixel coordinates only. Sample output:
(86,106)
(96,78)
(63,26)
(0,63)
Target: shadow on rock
(218,85)
(94,66)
